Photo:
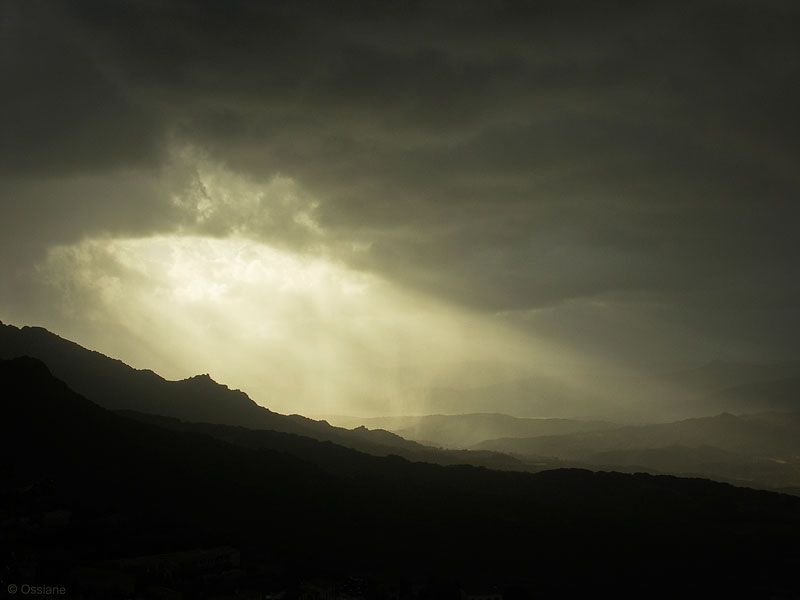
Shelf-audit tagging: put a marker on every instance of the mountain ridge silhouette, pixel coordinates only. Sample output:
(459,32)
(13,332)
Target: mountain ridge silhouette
(117,386)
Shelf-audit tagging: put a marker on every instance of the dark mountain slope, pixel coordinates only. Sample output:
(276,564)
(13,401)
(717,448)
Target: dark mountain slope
(333,458)
(134,488)
(695,461)
(65,437)
(118,385)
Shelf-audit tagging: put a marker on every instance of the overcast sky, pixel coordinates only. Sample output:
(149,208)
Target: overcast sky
(344,189)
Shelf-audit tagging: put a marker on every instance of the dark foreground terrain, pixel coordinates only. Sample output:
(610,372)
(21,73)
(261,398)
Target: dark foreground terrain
(108,506)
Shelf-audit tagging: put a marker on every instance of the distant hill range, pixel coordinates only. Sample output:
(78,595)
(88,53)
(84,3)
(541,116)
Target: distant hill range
(765,434)
(464,431)
(759,450)
(102,502)
(762,450)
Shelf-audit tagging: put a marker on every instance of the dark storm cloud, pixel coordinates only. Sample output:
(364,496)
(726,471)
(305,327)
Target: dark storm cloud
(72,137)
(507,155)
(59,111)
